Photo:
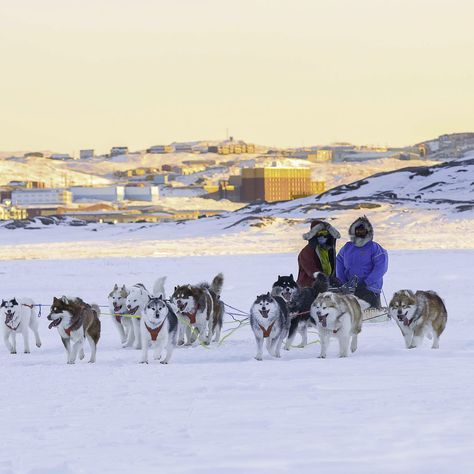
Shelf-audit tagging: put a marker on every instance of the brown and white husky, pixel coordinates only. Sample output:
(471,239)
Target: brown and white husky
(75,320)
(419,314)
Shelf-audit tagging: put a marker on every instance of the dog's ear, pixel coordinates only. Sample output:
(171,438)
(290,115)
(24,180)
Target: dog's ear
(64,299)
(279,276)
(115,286)
(160,297)
(291,276)
(268,294)
(4,303)
(14,301)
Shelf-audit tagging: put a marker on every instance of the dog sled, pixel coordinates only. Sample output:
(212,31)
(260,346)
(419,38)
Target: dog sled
(373,315)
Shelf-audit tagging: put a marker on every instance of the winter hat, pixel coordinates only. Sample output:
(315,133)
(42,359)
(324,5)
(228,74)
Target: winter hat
(360,241)
(317,226)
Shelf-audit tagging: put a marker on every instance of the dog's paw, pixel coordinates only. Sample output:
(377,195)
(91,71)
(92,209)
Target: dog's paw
(38,344)
(27,352)
(164,362)
(70,362)
(321,357)
(258,357)
(143,362)
(12,352)
(278,356)
(286,348)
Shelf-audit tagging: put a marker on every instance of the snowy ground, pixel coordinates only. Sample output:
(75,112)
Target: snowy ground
(383,410)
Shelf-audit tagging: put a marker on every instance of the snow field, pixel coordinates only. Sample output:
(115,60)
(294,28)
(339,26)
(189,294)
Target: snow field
(217,410)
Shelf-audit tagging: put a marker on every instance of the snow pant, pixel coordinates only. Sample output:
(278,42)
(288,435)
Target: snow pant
(365,294)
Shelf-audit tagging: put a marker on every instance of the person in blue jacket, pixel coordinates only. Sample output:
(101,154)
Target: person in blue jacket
(365,259)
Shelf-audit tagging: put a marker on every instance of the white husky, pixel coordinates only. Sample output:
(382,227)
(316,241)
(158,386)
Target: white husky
(137,299)
(118,308)
(340,316)
(18,316)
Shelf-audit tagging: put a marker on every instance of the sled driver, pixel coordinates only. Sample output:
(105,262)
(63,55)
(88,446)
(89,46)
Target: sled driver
(319,255)
(365,259)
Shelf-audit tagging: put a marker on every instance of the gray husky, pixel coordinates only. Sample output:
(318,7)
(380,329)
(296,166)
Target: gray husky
(158,327)
(269,320)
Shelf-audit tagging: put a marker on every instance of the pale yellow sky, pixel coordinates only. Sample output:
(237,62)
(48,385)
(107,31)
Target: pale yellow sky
(96,73)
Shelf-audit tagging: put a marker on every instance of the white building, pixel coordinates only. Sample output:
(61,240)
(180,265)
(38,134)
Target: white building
(142,193)
(104,193)
(29,197)
(86,154)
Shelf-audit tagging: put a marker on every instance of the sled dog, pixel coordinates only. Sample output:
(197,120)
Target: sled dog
(418,314)
(137,299)
(158,326)
(269,320)
(199,310)
(299,308)
(118,307)
(18,316)
(285,286)
(340,316)
(75,320)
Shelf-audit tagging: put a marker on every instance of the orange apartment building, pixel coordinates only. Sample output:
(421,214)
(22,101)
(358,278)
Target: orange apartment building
(278,184)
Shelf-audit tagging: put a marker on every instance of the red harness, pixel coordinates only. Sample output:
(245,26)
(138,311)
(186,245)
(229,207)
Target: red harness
(266,332)
(154,332)
(191,316)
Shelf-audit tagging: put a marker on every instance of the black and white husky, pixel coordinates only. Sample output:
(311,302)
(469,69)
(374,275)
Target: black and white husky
(269,320)
(285,286)
(18,316)
(118,308)
(158,327)
(137,299)
(299,307)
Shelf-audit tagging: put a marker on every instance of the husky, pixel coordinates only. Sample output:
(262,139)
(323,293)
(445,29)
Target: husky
(418,314)
(75,320)
(158,326)
(340,316)
(137,299)
(285,286)
(269,320)
(18,316)
(200,311)
(299,308)
(118,308)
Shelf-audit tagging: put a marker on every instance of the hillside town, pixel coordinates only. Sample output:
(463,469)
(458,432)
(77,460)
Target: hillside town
(146,186)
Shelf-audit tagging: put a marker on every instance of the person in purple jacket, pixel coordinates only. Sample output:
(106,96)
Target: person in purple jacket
(365,259)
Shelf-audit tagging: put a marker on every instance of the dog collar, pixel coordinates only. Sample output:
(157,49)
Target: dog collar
(266,332)
(154,332)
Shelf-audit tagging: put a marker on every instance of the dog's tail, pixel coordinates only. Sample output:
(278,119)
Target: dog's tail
(159,287)
(217,283)
(96,309)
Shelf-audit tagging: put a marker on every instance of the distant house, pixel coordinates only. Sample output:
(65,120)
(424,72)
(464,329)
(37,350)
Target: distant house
(183,147)
(118,150)
(160,179)
(8,212)
(86,154)
(26,197)
(160,149)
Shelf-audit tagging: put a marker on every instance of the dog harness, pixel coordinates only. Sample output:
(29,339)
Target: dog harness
(11,327)
(266,332)
(191,316)
(154,332)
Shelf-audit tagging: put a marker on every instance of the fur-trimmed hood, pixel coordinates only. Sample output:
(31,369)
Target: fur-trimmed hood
(318,225)
(359,241)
